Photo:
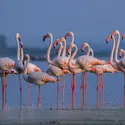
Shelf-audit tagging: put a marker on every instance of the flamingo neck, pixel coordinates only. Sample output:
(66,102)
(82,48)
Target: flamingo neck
(117,46)
(21,53)
(18,49)
(64,48)
(49,49)
(89,49)
(72,56)
(113,49)
(27,62)
(92,53)
(72,41)
(60,49)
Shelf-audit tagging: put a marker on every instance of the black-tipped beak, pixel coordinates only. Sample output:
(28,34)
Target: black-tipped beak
(106,41)
(82,50)
(120,56)
(122,38)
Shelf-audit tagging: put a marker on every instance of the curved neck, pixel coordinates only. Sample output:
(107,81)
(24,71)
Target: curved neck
(113,49)
(117,46)
(72,41)
(49,49)
(73,55)
(60,49)
(64,48)
(21,53)
(18,48)
(27,62)
(92,53)
(89,49)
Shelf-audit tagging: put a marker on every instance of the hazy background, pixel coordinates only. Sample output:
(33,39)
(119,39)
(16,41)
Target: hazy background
(90,20)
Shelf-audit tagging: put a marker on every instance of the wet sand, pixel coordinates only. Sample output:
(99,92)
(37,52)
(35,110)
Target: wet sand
(63,117)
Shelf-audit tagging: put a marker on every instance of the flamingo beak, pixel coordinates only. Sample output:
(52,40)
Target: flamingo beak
(120,56)
(44,38)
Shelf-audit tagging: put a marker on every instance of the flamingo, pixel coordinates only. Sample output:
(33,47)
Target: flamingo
(19,65)
(74,68)
(56,71)
(84,79)
(30,68)
(6,64)
(11,71)
(118,63)
(37,78)
(62,39)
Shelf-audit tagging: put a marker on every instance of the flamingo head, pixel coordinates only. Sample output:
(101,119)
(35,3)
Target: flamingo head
(108,38)
(69,34)
(48,35)
(26,56)
(21,44)
(83,46)
(120,53)
(123,36)
(115,32)
(56,43)
(18,36)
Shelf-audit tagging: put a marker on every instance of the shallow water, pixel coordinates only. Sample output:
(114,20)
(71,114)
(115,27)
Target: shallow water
(113,88)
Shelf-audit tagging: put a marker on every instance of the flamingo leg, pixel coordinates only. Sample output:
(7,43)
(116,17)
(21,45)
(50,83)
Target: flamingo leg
(28,95)
(124,90)
(38,98)
(63,91)
(86,87)
(71,91)
(82,92)
(5,90)
(102,86)
(2,80)
(20,91)
(57,94)
(100,91)
(97,91)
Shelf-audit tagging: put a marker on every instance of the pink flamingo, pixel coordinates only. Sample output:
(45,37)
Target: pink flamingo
(66,60)
(74,68)
(86,62)
(84,79)
(30,68)
(56,71)
(59,61)
(19,65)
(6,64)
(118,63)
(8,72)
(38,78)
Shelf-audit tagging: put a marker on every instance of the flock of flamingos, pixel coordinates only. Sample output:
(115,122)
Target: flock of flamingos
(64,63)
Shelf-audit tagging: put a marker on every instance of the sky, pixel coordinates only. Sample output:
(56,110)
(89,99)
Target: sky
(90,20)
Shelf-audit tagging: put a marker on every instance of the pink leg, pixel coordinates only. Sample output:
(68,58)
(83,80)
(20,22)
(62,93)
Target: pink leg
(28,95)
(102,86)
(63,92)
(82,92)
(124,90)
(86,87)
(97,91)
(2,79)
(100,91)
(57,94)
(5,90)
(71,91)
(20,91)
(38,97)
